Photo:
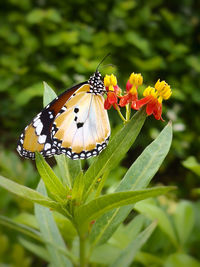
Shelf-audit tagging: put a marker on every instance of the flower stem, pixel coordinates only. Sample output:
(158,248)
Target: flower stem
(128,112)
(120,114)
(82,251)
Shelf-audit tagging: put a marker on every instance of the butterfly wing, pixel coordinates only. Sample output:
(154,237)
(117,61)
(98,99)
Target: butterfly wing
(37,135)
(82,128)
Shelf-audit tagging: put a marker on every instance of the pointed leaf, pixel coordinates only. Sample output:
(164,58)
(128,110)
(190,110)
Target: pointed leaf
(137,177)
(24,229)
(127,256)
(104,255)
(27,219)
(148,259)
(95,208)
(49,94)
(69,169)
(74,168)
(192,164)
(126,233)
(184,219)
(52,182)
(155,213)
(117,148)
(77,190)
(50,233)
(36,249)
(28,193)
(181,259)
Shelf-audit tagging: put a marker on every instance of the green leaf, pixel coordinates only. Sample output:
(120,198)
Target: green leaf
(38,250)
(27,219)
(52,182)
(155,213)
(126,233)
(66,227)
(109,253)
(138,176)
(117,148)
(95,208)
(28,193)
(50,232)
(147,164)
(63,170)
(23,97)
(24,229)
(184,220)
(192,164)
(148,259)
(49,94)
(31,232)
(74,168)
(136,40)
(149,64)
(180,259)
(127,256)
(193,62)
(69,169)
(77,190)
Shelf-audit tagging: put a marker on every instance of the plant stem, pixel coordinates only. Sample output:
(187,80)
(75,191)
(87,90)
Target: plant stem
(120,114)
(128,112)
(82,251)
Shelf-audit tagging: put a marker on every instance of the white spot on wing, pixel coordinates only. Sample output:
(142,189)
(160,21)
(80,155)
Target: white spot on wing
(47,146)
(69,153)
(35,124)
(39,128)
(42,139)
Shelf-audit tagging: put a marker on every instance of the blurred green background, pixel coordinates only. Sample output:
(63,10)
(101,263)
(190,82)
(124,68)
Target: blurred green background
(62,42)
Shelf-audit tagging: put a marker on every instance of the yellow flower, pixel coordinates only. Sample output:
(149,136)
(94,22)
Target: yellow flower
(136,79)
(161,91)
(153,97)
(110,80)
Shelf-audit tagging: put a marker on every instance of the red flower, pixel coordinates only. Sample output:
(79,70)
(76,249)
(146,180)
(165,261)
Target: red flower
(110,82)
(111,100)
(153,98)
(129,98)
(131,88)
(153,106)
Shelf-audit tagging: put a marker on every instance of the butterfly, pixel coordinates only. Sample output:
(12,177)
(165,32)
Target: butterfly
(75,123)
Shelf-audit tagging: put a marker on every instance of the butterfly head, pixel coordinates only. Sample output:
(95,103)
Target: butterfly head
(96,84)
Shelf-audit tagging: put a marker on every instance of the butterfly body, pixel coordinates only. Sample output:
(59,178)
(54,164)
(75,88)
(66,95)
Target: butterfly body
(75,123)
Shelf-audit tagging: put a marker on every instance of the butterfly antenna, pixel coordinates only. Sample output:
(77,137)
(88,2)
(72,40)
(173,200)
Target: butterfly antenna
(102,60)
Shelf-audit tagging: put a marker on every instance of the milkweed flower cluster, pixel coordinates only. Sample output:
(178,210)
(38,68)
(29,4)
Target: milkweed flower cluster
(153,96)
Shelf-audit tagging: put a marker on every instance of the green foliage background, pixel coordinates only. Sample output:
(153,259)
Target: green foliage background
(62,42)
